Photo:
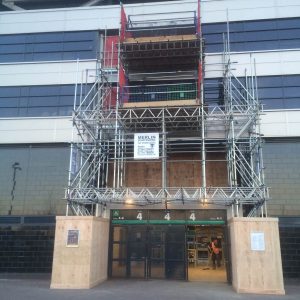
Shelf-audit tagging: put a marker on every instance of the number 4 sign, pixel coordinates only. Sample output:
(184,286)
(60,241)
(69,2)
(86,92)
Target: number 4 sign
(167,216)
(192,216)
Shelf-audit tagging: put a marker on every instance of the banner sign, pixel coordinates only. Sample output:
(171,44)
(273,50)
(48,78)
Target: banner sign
(146,145)
(73,238)
(258,241)
(175,216)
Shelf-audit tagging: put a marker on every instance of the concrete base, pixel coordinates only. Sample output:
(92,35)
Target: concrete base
(84,265)
(256,265)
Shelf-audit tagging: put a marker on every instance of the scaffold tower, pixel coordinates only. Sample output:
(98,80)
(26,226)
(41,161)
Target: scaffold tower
(209,154)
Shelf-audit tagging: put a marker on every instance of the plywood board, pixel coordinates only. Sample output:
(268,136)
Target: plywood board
(258,272)
(162,103)
(166,38)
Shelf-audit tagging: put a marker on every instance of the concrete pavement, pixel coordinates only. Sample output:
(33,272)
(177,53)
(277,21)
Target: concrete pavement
(36,287)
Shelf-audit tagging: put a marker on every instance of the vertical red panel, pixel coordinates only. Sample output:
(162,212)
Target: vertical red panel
(123,24)
(123,85)
(198,19)
(113,96)
(110,99)
(111,51)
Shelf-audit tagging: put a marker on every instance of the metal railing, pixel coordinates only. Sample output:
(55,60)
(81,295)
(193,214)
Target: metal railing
(162,23)
(160,92)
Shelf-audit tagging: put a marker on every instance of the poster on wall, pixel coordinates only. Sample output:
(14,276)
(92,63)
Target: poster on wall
(257,241)
(146,145)
(73,238)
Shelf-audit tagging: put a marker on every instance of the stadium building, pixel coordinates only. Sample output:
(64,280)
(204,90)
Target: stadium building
(143,132)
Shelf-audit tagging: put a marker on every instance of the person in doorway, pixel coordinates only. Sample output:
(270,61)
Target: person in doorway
(215,254)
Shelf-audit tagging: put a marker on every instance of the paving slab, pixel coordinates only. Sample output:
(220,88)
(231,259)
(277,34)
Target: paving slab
(36,287)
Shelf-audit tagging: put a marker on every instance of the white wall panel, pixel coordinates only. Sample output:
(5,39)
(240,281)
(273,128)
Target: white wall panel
(90,18)
(58,130)
(64,72)
(101,17)
(281,123)
(267,63)
(35,130)
(216,10)
(82,18)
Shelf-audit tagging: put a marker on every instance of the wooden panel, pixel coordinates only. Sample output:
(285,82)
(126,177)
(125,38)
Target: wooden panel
(153,39)
(161,103)
(141,174)
(84,266)
(253,271)
(216,170)
(183,170)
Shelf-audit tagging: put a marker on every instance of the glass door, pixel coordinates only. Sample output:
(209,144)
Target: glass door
(156,266)
(137,251)
(175,257)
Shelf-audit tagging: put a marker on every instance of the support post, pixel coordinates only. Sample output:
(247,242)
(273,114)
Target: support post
(164,154)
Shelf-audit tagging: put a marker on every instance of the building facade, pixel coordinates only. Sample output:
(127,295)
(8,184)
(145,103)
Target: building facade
(49,57)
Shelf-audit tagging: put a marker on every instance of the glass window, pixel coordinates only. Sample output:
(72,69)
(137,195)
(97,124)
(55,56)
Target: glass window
(44,101)
(44,90)
(17,48)
(267,81)
(12,39)
(289,34)
(211,48)
(291,92)
(289,44)
(42,111)
(48,46)
(213,28)
(259,25)
(47,56)
(9,91)
(292,103)
(65,110)
(291,80)
(8,112)
(272,103)
(275,92)
(48,37)
(9,102)
(254,35)
(287,23)
(77,46)
(213,38)
(11,57)
(66,100)
(37,101)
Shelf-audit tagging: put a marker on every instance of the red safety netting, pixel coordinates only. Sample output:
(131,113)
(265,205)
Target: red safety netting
(123,24)
(199,19)
(123,82)
(110,57)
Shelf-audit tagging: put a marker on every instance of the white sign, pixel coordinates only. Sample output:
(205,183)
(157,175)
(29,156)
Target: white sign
(73,238)
(146,145)
(257,241)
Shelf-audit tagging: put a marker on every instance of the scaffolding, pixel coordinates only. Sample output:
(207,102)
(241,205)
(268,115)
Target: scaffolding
(161,90)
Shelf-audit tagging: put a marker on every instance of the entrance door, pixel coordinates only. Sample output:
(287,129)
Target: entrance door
(167,252)
(175,262)
(202,265)
(137,251)
(156,251)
